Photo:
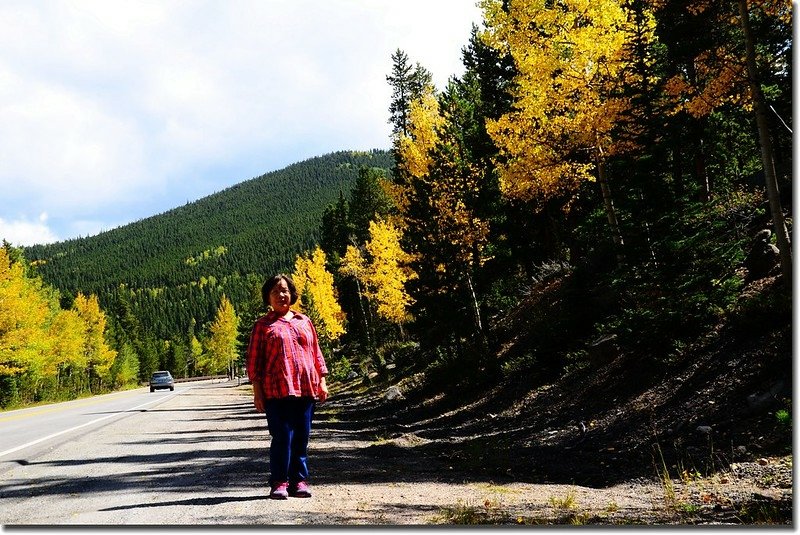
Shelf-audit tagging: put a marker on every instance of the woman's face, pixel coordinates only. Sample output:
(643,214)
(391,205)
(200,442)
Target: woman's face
(280,298)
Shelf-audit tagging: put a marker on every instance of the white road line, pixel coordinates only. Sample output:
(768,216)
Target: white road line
(48,437)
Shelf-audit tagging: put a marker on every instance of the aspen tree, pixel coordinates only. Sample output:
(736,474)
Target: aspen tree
(728,73)
(24,312)
(353,265)
(759,108)
(387,272)
(97,356)
(572,61)
(315,284)
(221,343)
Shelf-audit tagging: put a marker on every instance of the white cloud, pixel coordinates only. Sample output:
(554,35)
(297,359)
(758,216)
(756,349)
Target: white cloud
(23,232)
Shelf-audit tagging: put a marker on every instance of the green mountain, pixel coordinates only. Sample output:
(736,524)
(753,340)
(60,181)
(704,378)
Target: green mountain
(174,266)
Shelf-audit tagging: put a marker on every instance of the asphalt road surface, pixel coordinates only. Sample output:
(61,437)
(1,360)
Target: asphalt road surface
(195,456)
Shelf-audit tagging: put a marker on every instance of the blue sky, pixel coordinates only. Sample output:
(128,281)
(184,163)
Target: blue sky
(113,111)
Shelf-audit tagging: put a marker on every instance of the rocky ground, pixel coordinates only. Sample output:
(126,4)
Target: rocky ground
(446,475)
(698,442)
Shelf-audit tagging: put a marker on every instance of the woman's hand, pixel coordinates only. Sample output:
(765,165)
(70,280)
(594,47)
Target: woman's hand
(259,397)
(322,393)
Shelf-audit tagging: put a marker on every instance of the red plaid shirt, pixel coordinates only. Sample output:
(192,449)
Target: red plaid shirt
(284,356)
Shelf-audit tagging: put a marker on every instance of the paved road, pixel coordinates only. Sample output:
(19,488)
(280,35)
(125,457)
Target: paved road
(134,458)
(27,431)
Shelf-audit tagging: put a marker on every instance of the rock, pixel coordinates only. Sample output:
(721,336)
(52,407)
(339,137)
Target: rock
(352,375)
(603,350)
(763,256)
(393,393)
(704,429)
(757,402)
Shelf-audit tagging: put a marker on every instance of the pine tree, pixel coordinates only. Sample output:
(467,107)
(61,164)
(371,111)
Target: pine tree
(408,83)
(369,201)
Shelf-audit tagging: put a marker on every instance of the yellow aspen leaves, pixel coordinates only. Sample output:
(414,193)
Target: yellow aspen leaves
(719,74)
(353,263)
(221,342)
(39,339)
(66,333)
(97,355)
(414,148)
(315,289)
(572,59)
(387,272)
(24,314)
(384,272)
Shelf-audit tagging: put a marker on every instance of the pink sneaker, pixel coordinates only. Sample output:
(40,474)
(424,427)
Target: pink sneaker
(279,491)
(300,490)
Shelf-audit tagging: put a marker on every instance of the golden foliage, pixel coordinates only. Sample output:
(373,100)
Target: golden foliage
(353,264)
(24,315)
(572,59)
(96,354)
(315,285)
(456,225)
(414,148)
(719,75)
(221,342)
(39,339)
(387,272)
(719,80)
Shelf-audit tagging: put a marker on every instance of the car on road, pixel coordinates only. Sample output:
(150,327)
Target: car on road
(161,379)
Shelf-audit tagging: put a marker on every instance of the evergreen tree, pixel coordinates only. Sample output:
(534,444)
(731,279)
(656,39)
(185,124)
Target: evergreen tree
(369,202)
(408,83)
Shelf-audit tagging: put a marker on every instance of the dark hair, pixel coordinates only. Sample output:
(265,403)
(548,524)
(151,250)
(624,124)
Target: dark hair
(270,284)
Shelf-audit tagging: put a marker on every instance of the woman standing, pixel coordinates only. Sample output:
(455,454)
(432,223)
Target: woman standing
(287,370)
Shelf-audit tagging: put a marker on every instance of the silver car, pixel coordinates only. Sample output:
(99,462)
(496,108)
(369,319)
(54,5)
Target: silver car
(161,379)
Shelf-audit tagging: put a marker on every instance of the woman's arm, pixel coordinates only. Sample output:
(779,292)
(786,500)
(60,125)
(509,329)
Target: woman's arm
(259,397)
(323,390)
(255,366)
(319,364)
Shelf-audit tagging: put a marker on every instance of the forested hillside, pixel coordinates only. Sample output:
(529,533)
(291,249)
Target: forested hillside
(177,264)
(261,223)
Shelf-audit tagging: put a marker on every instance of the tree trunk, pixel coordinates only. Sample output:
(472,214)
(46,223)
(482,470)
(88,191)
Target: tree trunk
(701,173)
(767,160)
(363,312)
(611,213)
(677,165)
(476,311)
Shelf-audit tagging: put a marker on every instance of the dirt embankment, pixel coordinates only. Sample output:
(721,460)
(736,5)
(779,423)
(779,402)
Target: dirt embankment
(702,441)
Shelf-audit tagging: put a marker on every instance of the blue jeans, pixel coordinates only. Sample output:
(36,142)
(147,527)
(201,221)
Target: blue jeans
(289,423)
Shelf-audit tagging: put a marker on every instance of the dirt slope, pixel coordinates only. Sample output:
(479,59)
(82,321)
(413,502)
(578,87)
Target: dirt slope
(700,440)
